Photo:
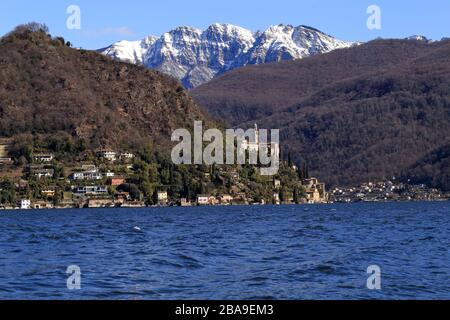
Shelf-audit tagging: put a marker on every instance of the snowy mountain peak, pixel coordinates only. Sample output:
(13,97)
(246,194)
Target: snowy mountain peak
(418,38)
(196,56)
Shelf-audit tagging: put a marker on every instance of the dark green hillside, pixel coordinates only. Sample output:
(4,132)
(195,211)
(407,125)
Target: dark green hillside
(432,170)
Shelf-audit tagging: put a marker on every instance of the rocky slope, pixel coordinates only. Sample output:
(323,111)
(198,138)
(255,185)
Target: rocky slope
(197,56)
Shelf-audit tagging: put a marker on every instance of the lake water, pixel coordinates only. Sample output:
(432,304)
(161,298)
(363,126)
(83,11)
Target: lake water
(267,252)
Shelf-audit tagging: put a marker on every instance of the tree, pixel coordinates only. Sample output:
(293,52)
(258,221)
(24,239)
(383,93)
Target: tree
(132,189)
(296,197)
(31,27)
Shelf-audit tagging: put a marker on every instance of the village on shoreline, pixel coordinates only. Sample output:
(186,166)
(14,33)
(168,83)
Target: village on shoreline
(112,179)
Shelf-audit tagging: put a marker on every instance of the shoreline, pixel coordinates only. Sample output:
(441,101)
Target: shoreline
(9,209)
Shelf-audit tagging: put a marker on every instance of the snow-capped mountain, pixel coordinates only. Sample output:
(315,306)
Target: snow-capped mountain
(419,38)
(196,56)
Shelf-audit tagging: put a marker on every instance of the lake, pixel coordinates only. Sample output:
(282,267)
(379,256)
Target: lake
(248,252)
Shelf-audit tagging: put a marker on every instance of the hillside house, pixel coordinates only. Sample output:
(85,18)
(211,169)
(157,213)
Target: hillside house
(49,193)
(91,190)
(4,150)
(6,161)
(43,157)
(115,182)
(43,173)
(126,156)
(277,183)
(86,175)
(108,155)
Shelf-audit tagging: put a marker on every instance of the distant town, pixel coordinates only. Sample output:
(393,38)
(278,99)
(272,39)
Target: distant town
(391,190)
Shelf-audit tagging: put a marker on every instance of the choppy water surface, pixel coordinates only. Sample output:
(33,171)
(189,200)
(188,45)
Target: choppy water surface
(287,252)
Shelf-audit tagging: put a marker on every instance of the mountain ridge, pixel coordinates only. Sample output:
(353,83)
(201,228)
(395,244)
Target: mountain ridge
(196,56)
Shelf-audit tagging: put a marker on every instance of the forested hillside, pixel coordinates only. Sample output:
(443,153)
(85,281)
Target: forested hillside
(50,91)
(353,115)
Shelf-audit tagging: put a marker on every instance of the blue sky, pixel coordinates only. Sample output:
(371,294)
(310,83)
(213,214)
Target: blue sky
(104,21)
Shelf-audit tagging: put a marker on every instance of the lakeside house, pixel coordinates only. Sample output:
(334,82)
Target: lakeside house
(225,199)
(315,191)
(202,200)
(122,197)
(25,204)
(134,204)
(163,197)
(185,203)
(276,198)
(100,203)
(207,200)
(313,196)
(42,205)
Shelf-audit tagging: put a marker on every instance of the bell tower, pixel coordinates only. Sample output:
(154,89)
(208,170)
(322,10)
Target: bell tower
(256,134)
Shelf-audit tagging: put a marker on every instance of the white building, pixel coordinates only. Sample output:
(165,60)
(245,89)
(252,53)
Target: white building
(109,155)
(277,183)
(126,155)
(163,197)
(44,173)
(203,200)
(276,198)
(91,190)
(25,204)
(43,157)
(87,175)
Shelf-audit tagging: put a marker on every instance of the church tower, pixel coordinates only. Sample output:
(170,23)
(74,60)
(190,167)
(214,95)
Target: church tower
(256,134)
